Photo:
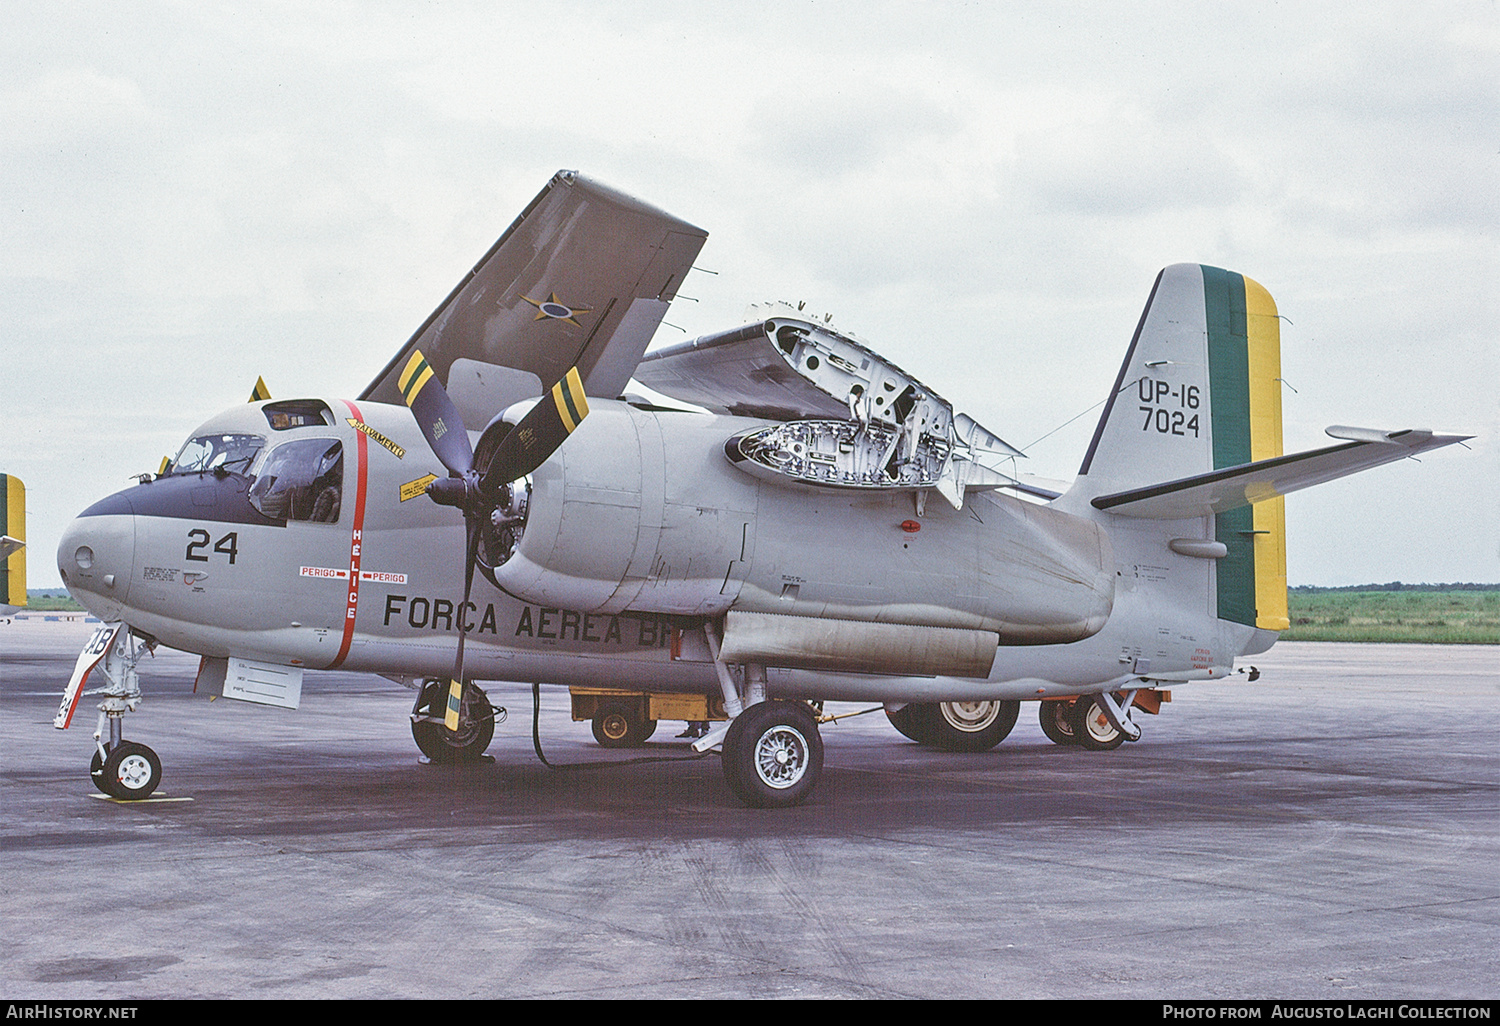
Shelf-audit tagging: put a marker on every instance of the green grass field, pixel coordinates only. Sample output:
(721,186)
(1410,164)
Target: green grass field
(55,601)
(1432,617)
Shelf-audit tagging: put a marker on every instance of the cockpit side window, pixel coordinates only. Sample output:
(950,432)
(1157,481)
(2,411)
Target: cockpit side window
(231,453)
(301,480)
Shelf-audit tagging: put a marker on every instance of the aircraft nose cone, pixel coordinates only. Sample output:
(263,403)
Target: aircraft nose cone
(96,560)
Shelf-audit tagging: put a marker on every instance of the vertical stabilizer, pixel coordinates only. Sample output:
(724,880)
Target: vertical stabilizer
(1200,391)
(12,541)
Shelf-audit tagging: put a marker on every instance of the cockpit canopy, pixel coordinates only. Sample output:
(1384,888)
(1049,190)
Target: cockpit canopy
(296,478)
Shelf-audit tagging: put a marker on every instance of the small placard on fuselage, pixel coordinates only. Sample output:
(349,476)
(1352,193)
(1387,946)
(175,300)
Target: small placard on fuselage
(263,683)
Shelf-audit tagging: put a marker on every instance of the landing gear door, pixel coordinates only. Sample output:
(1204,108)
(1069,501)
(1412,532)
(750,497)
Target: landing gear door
(97,648)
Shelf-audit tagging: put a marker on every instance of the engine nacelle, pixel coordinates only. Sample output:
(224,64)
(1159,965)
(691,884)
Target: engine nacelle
(641,511)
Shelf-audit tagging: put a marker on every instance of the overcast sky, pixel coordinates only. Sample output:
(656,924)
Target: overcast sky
(194,195)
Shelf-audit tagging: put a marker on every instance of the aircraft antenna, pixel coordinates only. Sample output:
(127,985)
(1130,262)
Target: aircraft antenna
(1085,413)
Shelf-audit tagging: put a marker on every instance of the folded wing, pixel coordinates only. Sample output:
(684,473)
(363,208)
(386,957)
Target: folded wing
(852,419)
(581,279)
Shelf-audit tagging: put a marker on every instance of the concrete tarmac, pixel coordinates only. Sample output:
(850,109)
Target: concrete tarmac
(1328,832)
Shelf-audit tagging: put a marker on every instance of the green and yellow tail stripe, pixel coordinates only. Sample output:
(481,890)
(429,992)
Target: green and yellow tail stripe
(260,393)
(414,377)
(13,524)
(1244,356)
(572,407)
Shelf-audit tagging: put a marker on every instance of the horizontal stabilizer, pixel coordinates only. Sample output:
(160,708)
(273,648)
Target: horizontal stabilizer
(1222,490)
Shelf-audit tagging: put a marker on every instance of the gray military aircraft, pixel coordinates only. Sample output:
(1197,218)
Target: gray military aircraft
(823,527)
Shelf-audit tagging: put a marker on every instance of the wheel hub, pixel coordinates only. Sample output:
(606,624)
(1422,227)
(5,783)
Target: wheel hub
(134,772)
(970,716)
(781,756)
(1099,726)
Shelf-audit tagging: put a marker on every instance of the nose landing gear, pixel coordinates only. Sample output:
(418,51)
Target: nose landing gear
(122,769)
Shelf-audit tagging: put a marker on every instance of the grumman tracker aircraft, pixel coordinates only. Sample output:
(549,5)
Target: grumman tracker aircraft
(824,527)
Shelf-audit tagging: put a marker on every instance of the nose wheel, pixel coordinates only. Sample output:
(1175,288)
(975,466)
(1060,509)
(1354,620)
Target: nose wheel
(1056,716)
(1101,724)
(127,771)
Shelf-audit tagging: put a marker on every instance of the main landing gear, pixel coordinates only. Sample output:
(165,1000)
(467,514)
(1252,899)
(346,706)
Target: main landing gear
(1098,723)
(773,754)
(956,726)
(476,723)
(772,751)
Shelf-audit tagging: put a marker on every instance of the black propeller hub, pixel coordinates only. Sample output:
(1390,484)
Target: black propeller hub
(460,492)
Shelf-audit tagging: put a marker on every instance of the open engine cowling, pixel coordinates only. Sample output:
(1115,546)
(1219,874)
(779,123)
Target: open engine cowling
(642,511)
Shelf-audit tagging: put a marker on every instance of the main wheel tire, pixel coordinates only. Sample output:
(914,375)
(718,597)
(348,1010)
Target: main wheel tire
(773,754)
(476,728)
(129,772)
(972,726)
(957,726)
(910,721)
(1092,728)
(619,725)
(1057,721)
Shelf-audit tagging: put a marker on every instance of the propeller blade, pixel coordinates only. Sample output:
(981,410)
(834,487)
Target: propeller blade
(456,682)
(539,433)
(525,448)
(439,419)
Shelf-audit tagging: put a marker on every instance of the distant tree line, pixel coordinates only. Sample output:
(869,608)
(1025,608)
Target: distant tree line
(1395,586)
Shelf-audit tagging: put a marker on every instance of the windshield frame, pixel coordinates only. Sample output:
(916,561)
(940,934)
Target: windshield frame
(222,452)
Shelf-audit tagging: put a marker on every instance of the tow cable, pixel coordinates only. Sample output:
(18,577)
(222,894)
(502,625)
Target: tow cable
(536,739)
(536,742)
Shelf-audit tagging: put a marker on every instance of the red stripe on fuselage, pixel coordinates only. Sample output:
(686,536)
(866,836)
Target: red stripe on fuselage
(356,539)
